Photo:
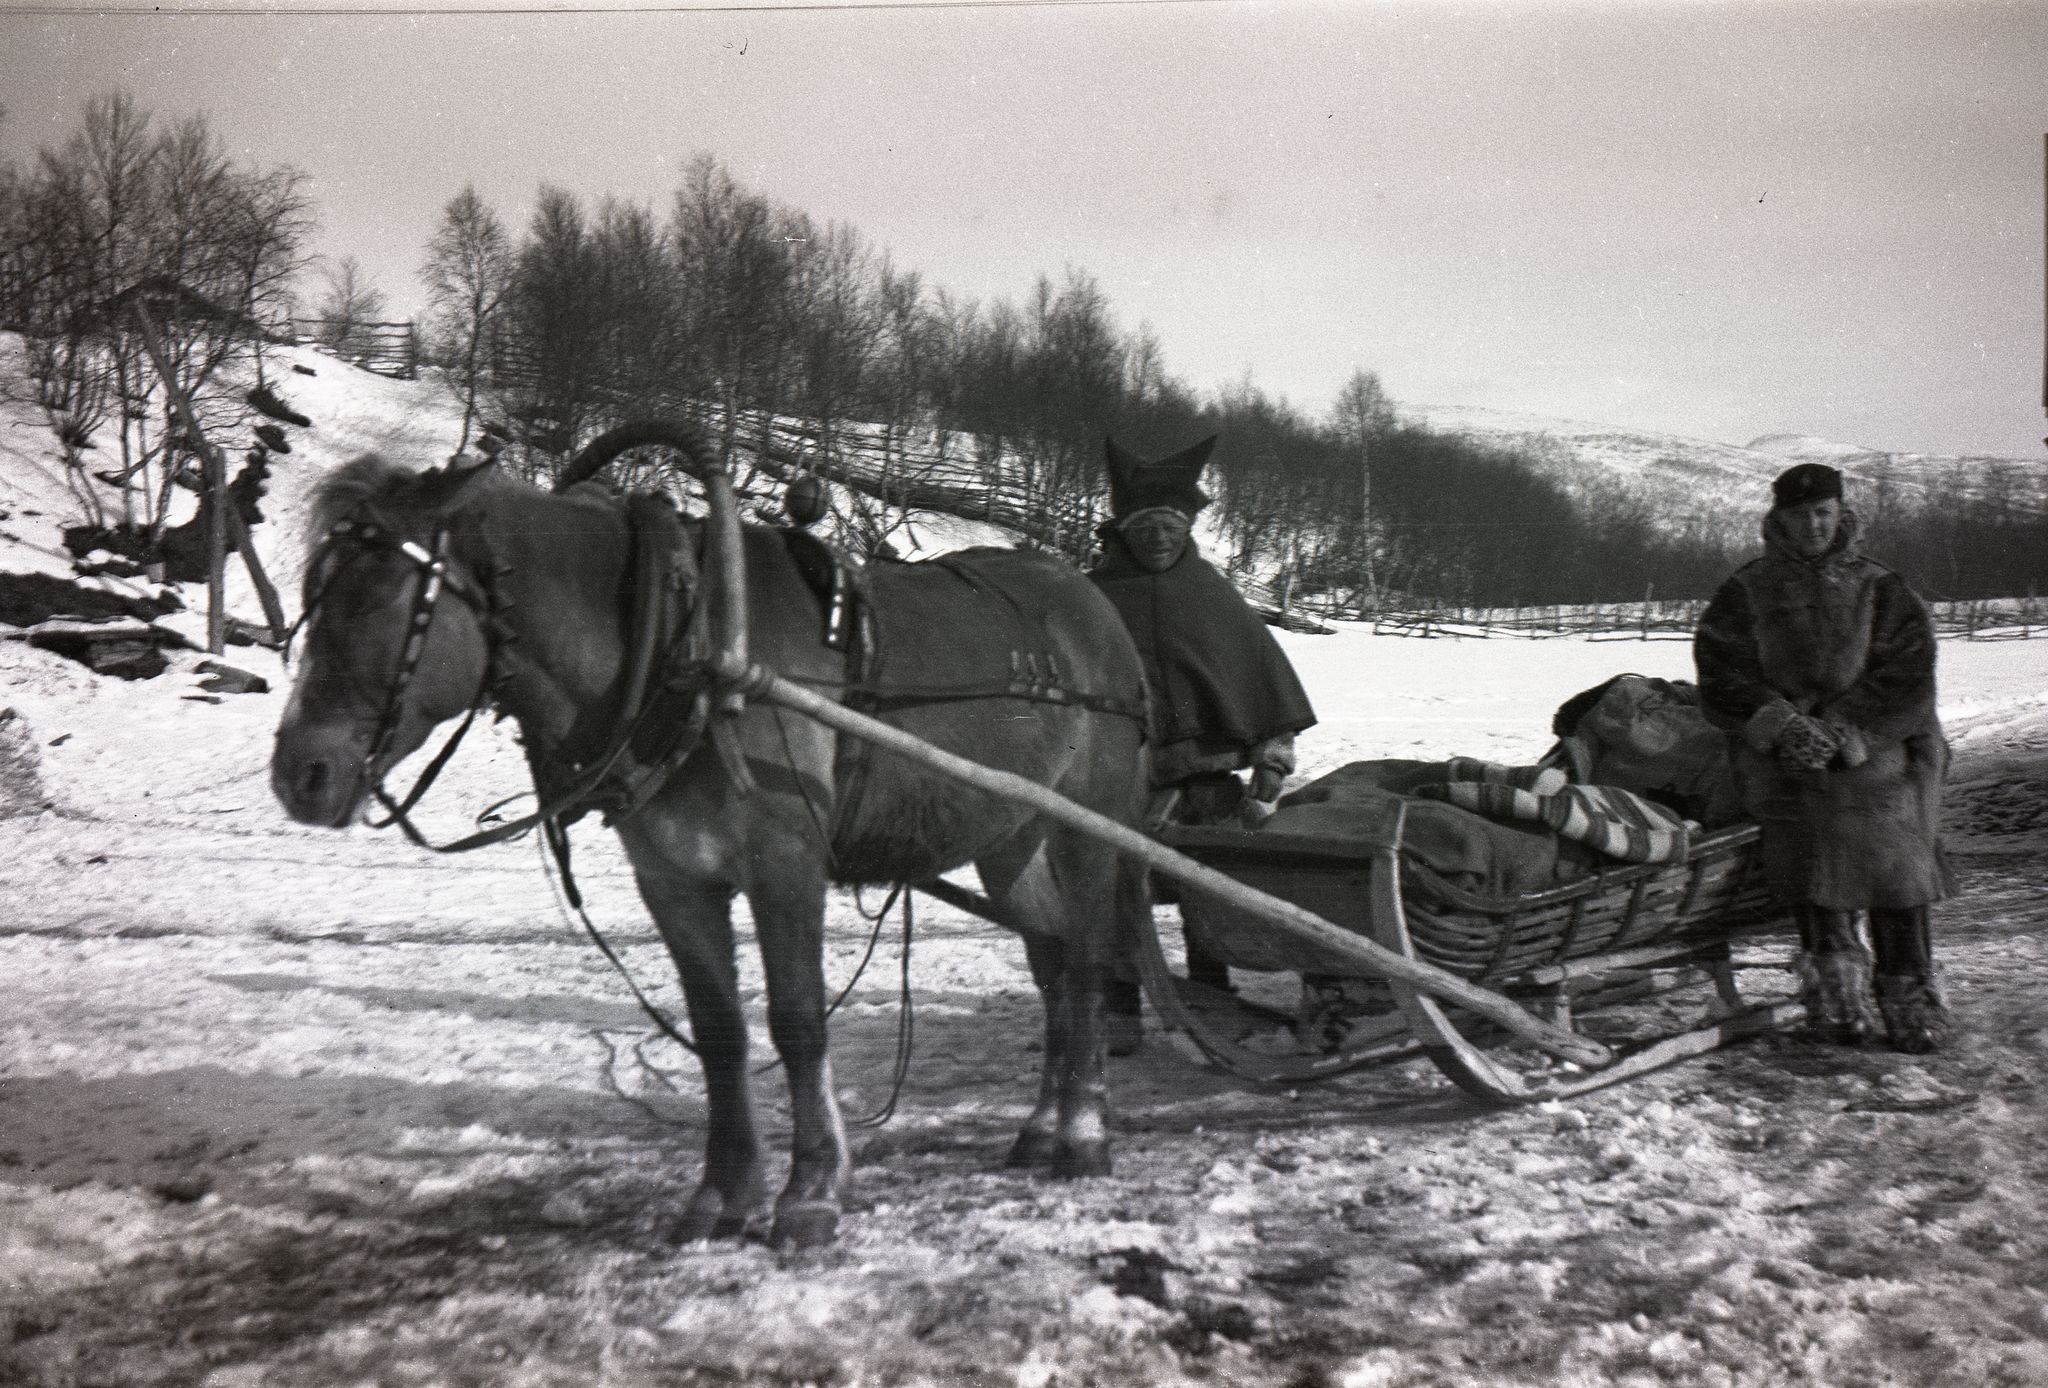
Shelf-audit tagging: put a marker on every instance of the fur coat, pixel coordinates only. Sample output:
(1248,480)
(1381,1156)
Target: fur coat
(1840,639)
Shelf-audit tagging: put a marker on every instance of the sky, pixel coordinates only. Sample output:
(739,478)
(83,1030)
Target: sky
(1709,219)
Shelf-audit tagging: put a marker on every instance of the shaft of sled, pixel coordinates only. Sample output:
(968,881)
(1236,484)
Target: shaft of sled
(1305,925)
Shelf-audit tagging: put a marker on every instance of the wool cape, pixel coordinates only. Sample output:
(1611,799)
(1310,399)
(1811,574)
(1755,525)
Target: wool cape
(1843,639)
(1218,679)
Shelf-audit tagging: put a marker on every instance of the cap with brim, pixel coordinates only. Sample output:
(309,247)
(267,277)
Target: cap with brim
(1807,482)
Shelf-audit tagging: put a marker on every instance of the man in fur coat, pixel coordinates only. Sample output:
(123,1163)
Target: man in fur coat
(1223,697)
(1821,664)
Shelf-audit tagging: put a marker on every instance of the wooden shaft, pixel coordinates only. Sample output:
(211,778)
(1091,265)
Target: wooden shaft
(728,574)
(1292,919)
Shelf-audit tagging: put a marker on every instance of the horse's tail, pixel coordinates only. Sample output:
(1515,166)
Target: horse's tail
(637,433)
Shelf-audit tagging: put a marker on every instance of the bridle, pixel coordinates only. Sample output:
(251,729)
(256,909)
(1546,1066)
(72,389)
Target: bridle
(431,560)
(667,705)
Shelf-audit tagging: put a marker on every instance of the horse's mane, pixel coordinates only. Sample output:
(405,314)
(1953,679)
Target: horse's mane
(374,486)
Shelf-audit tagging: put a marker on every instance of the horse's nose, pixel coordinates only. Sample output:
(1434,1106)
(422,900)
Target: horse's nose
(310,786)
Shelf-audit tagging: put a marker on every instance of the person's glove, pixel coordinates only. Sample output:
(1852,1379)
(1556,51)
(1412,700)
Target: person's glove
(1267,783)
(1806,744)
(1855,749)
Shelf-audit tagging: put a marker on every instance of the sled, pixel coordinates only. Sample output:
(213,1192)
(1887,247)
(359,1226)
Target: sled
(1563,953)
(1460,970)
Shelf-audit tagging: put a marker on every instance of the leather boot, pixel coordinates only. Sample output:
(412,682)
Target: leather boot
(1916,1018)
(1834,977)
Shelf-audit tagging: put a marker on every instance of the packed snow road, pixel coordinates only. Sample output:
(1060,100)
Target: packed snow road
(299,1108)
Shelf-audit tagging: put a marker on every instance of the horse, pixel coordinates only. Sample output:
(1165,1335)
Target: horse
(1010,658)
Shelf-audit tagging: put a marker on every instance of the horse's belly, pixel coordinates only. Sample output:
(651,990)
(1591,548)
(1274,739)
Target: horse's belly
(913,838)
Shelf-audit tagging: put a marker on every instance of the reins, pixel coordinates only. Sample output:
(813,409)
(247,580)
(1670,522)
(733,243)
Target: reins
(637,705)
(684,680)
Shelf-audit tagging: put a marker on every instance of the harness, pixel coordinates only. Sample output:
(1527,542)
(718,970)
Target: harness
(670,698)
(658,723)
(670,701)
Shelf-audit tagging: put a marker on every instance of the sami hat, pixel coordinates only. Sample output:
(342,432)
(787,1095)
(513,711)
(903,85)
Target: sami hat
(1807,482)
(1136,485)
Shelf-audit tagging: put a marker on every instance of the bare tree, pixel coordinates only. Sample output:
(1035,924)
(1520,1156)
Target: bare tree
(468,273)
(116,215)
(347,303)
(734,264)
(1363,413)
(269,227)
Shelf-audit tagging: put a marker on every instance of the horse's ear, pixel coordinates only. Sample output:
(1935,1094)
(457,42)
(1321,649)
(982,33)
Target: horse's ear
(441,486)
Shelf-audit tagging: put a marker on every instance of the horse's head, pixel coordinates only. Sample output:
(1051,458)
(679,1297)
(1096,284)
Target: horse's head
(396,635)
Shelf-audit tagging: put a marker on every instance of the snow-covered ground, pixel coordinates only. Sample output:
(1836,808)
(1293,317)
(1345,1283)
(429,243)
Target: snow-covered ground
(289,1107)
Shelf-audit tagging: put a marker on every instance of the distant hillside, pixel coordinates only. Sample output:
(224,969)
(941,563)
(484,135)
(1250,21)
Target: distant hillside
(1714,487)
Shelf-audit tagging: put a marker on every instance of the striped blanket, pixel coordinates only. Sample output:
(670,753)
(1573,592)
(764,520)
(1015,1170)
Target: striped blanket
(1616,822)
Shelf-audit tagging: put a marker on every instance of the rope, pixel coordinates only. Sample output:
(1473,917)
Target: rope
(906,1014)
(556,836)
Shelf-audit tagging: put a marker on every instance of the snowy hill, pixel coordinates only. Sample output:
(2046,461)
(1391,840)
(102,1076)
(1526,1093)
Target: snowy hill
(1683,483)
(1712,485)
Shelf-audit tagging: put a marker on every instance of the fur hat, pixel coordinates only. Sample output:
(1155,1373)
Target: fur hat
(1136,485)
(1807,482)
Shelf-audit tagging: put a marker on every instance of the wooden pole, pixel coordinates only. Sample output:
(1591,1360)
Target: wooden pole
(224,518)
(215,489)
(758,682)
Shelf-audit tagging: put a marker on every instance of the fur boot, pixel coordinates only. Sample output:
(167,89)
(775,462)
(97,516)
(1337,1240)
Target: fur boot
(1916,1020)
(1836,990)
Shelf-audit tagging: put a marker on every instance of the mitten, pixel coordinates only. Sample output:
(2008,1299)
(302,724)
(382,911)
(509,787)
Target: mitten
(1855,749)
(1806,744)
(1267,782)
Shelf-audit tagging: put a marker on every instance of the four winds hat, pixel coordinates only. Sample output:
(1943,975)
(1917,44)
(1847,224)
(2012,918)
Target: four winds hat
(1807,482)
(1136,485)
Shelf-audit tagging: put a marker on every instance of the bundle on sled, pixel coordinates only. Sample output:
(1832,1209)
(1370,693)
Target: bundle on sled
(1608,873)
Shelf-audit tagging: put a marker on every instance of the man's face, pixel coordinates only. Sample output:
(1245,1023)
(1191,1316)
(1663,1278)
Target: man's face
(1811,526)
(1156,538)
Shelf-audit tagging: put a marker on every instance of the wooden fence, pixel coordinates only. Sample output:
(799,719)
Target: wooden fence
(1985,619)
(389,349)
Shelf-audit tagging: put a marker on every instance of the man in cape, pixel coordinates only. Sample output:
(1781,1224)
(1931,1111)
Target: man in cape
(1224,698)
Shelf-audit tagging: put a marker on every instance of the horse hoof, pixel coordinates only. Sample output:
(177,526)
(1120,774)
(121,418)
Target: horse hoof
(806,1224)
(1032,1149)
(1078,1159)
(712,1220)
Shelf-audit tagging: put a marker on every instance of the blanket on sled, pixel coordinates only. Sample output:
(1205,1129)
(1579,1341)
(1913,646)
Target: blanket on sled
(1616,823)
(1465,848)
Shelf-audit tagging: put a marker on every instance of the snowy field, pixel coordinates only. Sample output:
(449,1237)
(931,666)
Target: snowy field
(280,1106)
(290,1107)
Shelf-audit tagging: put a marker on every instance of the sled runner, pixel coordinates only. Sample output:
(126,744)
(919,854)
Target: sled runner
(1564,952)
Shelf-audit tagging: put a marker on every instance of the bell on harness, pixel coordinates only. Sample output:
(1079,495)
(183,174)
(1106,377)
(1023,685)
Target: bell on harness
(804,501)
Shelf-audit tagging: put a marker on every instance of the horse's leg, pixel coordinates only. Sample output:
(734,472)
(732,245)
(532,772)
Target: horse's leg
(695,920)
(788,900)
(1039,1138)
(1055,897)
